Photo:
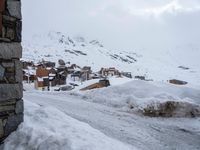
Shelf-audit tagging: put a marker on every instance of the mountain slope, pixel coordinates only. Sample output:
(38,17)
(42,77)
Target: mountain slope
(163,64)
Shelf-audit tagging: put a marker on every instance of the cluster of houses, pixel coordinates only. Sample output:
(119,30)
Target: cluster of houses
(46,74)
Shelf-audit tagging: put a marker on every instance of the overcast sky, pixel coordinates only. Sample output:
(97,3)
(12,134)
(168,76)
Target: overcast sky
(117,23)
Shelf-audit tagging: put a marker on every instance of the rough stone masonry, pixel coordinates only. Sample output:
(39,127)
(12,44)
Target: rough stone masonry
(11,90)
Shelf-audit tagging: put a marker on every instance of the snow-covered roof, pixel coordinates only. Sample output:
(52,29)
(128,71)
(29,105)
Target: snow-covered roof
(52,75)
(61,72)
(49,68)
(42,79)
(29,71)
(51,78)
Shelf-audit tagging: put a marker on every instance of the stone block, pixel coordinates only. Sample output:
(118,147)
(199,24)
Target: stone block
(10,50)
(19,107)
(10,34)
(8,102)
(9,21)
(2,72)
(11,30)
(18,31)
(14,8)
(8,64)
(10,71)
(18,71)
(1,128)
(12,123)
(10,91)
(7,108)
(7,69)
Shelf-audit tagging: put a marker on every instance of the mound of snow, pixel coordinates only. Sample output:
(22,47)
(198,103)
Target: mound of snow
(141,95)
(172,109)
(46,128)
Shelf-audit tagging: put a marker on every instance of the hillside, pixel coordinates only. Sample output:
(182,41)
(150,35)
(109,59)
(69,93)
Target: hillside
(180,62)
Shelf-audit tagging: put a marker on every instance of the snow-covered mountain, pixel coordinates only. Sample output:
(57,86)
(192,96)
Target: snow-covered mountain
(181,62)
(55,45)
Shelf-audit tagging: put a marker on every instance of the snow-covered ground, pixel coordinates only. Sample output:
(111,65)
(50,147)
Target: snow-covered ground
(102,119)
(47,128)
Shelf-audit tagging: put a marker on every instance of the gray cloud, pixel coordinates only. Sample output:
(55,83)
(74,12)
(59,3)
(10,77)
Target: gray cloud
(117,23)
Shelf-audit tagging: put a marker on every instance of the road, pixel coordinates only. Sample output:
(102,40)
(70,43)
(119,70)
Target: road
(142,132)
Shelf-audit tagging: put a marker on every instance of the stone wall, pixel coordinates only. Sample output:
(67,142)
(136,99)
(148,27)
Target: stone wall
(11,90)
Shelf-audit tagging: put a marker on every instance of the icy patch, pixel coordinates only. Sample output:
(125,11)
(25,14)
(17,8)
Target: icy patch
(46,128)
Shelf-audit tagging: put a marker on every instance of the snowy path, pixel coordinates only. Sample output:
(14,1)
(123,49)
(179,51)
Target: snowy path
(141,132)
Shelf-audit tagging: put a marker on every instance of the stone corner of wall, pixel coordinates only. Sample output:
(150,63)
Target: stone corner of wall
(11,89)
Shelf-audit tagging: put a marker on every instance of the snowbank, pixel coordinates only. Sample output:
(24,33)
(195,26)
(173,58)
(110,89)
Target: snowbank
(46,128)
(140,96)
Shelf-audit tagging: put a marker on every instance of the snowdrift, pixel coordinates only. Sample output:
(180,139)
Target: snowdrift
(153,99)
(47,128)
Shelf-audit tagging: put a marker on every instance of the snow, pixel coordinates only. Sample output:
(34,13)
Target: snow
(46,128)
(101,118)
(141,94)
(52,75)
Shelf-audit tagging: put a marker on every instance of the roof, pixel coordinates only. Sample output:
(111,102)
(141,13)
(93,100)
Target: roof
(29,71)
(51,78)
(52,75)
(42,79)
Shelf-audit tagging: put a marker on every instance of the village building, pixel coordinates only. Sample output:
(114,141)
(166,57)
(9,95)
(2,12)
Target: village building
(71,69)
(104,72)
(45,64)
(61,75)
(52,76)
(42,79)
(61,62)
(127,74)
(101,84)
(49,64)
(26,64)
(95,76)
(29,75)
(76,75)
(52,79)
(48,76)
(86,73)
(140,77)
(178,82)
